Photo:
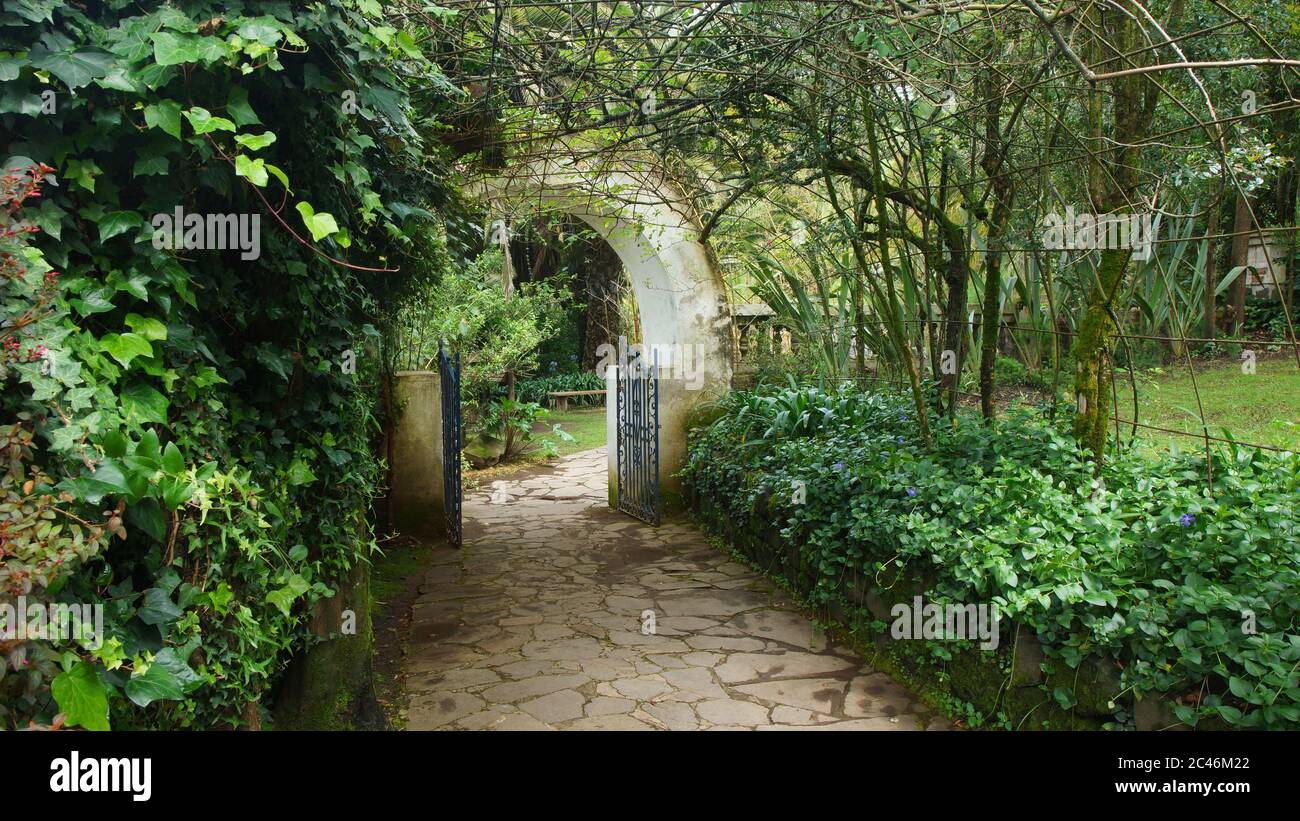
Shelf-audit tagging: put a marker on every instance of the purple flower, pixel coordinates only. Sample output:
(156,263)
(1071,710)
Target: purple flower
(838,466)
(901,440)
(1186,519)
(911,491)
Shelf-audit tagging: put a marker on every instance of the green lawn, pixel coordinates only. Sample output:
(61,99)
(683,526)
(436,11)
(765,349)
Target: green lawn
(585,425)
(1262,408)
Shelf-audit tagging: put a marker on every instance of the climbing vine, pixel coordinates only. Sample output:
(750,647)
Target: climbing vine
(225,189)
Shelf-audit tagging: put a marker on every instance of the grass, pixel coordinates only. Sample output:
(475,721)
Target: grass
(585,425)
(1261,408)
(394,584)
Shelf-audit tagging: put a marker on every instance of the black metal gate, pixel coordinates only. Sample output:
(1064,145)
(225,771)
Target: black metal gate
(449,384)
(638,439)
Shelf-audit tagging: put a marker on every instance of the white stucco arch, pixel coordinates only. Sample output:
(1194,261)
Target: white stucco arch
(680,294)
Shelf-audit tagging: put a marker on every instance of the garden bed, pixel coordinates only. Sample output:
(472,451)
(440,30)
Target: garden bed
(1135,600)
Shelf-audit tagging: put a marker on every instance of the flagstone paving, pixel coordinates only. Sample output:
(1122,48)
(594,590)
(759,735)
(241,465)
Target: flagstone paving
(560,614)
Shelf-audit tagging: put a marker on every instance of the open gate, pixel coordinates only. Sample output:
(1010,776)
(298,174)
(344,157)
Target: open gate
(638,439)
(449,384)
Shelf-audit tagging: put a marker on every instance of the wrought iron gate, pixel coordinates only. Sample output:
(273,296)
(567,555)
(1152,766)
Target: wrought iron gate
(638,439)
(449,385)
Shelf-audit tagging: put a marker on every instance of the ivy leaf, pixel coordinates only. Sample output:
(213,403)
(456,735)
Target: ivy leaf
(158,607)
(10,64)
(255,141)
(157,684)
(118,222)
(261,30)
(14,99)
(81,697)
(147,327)
(238,108)
(34,10)
(1065,697)
(279,362)
(300,473)
(97,301)
(279,175)
(50,218)
(147,515)
(252,170)
(119,79)
(75,69)
(149,166)
(173,459)
(284,597)
(320,225)
(146,404)
(125,347)
(176,492)
(83,172)
(174,49)
(107,478)
(165,115)
(168,659)
(202,121)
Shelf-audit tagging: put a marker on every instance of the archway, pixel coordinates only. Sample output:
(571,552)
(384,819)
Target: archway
(680,295)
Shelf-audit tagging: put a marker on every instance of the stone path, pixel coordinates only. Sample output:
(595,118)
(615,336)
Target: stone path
(559,614)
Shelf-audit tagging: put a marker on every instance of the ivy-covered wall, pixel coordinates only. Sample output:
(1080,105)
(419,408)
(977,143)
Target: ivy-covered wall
(190,414)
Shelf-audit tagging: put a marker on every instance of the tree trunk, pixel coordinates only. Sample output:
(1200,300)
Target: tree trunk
(1114,165)
(603,280)
(957,279)
(1093,356)
(1001,191)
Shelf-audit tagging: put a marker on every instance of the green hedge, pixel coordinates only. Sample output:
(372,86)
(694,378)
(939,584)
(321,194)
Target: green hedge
(1191,593)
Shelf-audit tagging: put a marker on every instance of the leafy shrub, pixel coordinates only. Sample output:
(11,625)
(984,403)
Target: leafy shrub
(1008,371)
(536,389)
(1268,316)
(468,309)
(502,429)
(1192,592)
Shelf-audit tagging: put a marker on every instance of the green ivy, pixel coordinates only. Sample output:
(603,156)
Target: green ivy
(204,397)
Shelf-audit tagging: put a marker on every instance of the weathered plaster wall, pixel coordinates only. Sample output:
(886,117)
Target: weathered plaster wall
(415,499)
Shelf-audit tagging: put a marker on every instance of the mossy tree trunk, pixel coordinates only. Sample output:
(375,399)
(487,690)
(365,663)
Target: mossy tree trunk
(1094,352)
(1114,166)
(993,163)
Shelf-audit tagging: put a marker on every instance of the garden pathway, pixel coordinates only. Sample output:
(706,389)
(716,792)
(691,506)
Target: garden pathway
(544,621)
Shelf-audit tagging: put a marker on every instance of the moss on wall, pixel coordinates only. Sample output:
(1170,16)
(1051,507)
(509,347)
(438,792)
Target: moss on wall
(329,687)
